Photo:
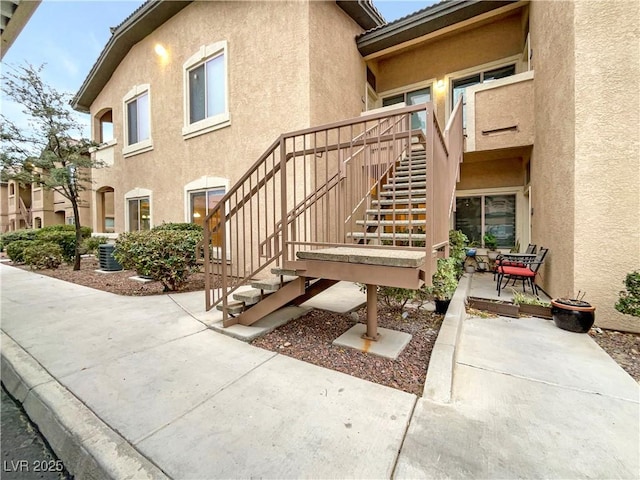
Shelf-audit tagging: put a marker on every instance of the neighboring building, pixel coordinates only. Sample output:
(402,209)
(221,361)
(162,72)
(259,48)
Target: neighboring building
(186,96)
(32,206)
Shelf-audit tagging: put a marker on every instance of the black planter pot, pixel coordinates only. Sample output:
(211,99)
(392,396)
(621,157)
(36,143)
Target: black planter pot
(573,315)
(442,306)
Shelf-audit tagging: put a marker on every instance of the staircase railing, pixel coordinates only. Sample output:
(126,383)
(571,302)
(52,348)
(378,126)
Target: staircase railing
(305,192)
(25,213)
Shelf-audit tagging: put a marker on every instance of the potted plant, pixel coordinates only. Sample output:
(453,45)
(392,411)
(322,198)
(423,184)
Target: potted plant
(444,284)
(491,243)
(573,314)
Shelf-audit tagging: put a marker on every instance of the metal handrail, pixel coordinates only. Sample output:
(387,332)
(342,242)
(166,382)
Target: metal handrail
(306,190)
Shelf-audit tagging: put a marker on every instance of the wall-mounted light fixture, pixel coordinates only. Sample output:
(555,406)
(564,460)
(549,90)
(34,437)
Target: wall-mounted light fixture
(160,50)
(440,85)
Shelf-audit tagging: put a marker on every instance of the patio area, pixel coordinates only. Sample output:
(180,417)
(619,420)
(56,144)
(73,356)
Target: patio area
(484,286)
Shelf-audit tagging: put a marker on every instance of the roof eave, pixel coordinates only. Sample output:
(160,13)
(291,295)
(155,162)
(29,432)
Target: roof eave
(363,12)
(424,22)
(140,24)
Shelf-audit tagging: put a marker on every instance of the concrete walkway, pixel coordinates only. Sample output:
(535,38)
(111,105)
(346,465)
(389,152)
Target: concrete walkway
(127,387)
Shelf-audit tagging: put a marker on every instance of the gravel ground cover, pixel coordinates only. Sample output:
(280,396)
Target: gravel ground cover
(309,338)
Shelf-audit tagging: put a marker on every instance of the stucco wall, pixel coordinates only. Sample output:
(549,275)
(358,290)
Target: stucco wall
(268,94)
(491,174)
(497,107)
(552,159)
(433,60)
(336,69)
(607,156)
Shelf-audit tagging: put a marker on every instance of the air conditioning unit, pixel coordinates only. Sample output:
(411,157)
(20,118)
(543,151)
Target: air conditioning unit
(107,262)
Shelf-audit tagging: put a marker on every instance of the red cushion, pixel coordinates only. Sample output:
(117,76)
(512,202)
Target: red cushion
(517,271)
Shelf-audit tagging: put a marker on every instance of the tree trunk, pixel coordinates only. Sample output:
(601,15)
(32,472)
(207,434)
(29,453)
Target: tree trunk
(76,215)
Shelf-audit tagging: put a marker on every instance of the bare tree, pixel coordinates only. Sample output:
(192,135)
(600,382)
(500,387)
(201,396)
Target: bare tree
(51,151)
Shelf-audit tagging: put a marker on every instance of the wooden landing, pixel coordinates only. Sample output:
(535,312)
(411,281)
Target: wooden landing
(391,268)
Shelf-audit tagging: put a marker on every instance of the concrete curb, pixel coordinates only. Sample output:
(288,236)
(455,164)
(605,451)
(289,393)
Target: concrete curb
(84,443)
(439,381)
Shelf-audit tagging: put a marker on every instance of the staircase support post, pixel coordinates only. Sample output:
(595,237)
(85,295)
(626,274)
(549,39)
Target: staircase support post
(372,313)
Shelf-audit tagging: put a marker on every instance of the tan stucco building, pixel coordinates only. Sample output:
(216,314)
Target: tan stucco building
(186,96)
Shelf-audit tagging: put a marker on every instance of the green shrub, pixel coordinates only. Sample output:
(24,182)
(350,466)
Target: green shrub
(629,301)
(65,239)
(85,231)
(91,244)
(168,256)
(458,243)
(15,250)
(40,255)
(16,235)
(445,281)
(189,227)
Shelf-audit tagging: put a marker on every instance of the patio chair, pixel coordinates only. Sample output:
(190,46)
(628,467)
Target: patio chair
(527,272)
(500,260)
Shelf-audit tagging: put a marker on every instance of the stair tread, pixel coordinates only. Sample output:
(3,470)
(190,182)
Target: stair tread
(271,284)
(403,185)
(368,256)
(249,297)
(400,201)
(390,223)
(411,173)
(403,236)
(398,211)
(403,193)
(232,307)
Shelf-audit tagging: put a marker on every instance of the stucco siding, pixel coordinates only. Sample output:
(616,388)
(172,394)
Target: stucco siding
(552,160)
(336,70)
(464,50)
(607,156)
(268,79)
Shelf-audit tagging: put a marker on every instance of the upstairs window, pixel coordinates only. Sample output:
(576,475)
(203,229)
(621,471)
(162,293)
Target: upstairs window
(459,85)
(415,97)
(137,114)
(138,119)
(206,90)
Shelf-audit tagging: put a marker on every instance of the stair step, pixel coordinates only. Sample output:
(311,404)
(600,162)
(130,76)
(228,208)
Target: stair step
(272,284)
(391,223)
(411,176)
(410,173)
(404,185)
(283,271)
(403,193)
(233,308)
(415,163)
(400,201)
(249,297)
(416,237)
(388,212)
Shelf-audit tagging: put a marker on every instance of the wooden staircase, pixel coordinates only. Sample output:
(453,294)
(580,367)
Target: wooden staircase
(398,215)
(355,200)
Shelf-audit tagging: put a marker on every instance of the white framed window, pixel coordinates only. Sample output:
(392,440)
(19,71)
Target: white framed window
(206,90)
(460,80)
(137,120)
(408,95)
(138,209)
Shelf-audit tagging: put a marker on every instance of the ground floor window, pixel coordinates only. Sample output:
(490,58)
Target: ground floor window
(481,214)
(139,214)
(201,202)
